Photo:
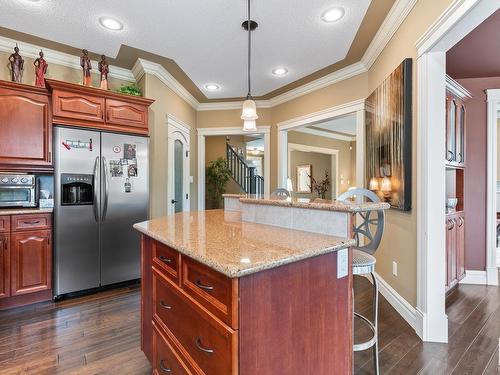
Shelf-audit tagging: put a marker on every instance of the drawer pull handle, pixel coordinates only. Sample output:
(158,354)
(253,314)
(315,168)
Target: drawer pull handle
(32,222)
(203,286)
(164,369)
(202,348)
(165,306)
(165,259)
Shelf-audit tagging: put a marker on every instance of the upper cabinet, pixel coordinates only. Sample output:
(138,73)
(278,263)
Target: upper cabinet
(25,128)
(456,95)
(77,105)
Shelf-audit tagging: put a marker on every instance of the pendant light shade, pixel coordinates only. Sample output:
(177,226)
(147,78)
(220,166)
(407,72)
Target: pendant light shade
(249,110)
(249,115)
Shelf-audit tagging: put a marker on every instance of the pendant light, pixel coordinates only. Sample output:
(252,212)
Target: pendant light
(249,111)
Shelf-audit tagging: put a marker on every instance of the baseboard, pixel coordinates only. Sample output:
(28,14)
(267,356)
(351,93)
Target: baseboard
(402,306)
(474,277)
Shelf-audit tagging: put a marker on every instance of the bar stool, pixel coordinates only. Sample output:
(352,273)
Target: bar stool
(368,235)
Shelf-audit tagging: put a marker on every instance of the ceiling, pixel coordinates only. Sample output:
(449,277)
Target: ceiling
(345,125)
(478,54)
(205,38)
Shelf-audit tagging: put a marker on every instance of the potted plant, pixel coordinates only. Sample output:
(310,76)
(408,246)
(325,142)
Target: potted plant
(322,186)
(217,175)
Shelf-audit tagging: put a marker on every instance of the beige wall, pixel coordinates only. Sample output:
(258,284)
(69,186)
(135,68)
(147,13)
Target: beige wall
(166,103)
(345,159)
(320,163)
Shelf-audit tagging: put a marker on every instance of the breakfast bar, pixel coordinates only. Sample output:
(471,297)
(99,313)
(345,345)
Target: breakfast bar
(225,293)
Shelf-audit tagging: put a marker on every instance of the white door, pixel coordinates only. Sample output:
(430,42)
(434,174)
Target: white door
(178,167)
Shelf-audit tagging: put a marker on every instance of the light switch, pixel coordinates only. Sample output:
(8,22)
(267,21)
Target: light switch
(342,263)
(191,179)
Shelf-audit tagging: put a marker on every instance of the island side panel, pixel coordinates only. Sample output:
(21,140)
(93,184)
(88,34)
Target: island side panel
(297,319)
(146,298)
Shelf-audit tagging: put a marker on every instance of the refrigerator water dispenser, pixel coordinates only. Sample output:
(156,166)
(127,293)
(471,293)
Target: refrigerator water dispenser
(77,189)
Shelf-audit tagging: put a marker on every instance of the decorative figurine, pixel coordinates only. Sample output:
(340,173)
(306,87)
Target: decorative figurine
(87,67)
(104,70)
(40,70)
(16,65)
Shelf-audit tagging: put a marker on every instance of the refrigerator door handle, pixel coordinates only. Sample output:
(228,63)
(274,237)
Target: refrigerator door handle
(95,206)
(106,189)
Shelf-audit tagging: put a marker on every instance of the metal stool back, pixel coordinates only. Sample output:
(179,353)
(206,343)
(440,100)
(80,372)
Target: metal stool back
(281,193)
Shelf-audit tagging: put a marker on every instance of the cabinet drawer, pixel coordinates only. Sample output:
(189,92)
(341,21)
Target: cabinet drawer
(208,342)
(73,106)
(216,292)
(165,359)
(4,224)
(167,260)
(31,222)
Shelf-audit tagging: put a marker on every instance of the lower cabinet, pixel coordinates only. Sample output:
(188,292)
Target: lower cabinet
(455,249)
(31,262)
(26,260)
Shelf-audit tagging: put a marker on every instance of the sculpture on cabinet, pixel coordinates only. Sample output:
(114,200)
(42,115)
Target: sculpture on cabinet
(40,70)
(87,67)
(104,70)
(16,65)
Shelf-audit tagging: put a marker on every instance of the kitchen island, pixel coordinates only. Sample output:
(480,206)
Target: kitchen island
(225,294)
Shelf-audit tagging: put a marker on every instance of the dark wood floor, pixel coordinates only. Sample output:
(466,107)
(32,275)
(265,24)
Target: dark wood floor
(100,334)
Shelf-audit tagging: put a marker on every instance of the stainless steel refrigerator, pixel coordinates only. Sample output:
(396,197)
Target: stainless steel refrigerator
(101,190)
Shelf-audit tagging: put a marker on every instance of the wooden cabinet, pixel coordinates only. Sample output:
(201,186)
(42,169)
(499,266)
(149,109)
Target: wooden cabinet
(82,106)
(456,97)
(195,320)
(76,106)
(25,128)
(455,249)
(4,265)
(31,262)
(26,260)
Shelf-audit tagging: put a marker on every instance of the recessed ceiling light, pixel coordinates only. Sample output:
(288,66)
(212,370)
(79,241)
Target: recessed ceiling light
(110,23)
(333,14)
(212,87)
(280,71)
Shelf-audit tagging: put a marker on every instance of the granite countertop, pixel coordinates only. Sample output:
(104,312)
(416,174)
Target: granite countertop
(234,248)
(21,211)
(316,204)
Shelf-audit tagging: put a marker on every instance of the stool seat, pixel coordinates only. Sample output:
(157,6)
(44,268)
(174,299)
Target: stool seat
(362,263)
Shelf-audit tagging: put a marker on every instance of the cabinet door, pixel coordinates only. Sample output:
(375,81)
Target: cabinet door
(451,113)
(75,106)
(460,134)
(127,115)
(25,130)
(4,266)
(460,247)
(31,262)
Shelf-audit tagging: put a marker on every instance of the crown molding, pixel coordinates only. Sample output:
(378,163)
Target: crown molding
(391,24)
(142,67)
(326,134)
(457,89)
(59,58)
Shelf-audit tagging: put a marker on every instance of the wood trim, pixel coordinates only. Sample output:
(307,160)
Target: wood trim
(146,297)
(25,299)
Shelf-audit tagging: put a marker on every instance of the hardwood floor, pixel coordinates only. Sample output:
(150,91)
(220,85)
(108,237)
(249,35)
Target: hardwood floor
(100,334)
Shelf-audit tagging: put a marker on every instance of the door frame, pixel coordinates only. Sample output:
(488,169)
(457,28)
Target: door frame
(461,17)
(236,130)
(356,107)
(493,104)
(319,150)
(178,130)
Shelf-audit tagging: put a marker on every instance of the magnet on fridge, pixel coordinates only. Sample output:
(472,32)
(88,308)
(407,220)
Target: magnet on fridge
(127,185)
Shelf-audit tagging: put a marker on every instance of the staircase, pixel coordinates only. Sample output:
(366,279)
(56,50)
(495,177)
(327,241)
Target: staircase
(244,175)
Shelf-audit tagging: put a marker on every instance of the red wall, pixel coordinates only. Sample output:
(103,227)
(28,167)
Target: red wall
(475,172)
